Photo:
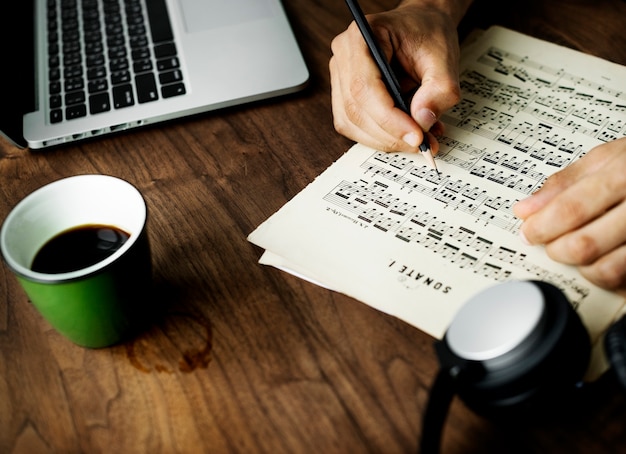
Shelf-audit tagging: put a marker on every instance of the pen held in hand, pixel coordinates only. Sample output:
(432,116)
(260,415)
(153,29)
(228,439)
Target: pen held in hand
(388,76)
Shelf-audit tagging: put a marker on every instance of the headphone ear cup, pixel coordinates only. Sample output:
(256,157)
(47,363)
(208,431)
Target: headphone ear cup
(532,377)
(615,349)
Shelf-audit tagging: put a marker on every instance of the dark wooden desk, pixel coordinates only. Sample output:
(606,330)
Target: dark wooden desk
(241,357)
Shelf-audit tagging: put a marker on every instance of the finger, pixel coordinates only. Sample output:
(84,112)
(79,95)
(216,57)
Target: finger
(589,243)
(552,187)
(574,207)
(555,184)
(609,272)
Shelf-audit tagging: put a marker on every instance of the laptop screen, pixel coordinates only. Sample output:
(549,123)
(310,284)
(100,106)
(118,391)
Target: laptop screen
(17,78)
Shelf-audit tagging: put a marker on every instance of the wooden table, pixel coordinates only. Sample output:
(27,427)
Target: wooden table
(242,357)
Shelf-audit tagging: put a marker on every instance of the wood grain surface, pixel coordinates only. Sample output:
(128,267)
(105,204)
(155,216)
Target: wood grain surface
(238,357)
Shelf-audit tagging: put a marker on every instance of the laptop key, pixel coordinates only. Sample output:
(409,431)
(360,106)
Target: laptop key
(119,64)
(142,66)
(116,41)
(99,103)
(158,17)
(123,96)
(98,72)
(74,84)
(164,50)
(56,116)
(72,59)
(53,49)
(75,97)
(117,52)
(71,72)
(97,85)
(137,42)
(167,64)
(169,91)
(146,88)
(54,74)
(141,53)
(93,36)
(136,29)
(95,60)
(76,111)
(54,61)
(170,76)
(120,77)
(93,47)
(56,101)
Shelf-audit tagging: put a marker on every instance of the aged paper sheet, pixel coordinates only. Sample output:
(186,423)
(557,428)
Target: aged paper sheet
(385,229)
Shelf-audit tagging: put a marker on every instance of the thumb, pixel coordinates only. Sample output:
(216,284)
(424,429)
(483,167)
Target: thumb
(438,92)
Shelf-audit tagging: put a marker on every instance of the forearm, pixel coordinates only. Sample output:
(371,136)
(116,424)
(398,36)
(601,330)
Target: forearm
(456,9)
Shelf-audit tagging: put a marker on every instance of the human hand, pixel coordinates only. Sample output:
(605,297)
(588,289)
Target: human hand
(423,40)
(580,216)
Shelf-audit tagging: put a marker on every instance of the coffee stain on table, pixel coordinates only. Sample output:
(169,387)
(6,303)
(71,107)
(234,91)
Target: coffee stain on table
(177,342)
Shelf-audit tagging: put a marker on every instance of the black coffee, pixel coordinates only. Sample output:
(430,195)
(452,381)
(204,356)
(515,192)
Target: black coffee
(78,248)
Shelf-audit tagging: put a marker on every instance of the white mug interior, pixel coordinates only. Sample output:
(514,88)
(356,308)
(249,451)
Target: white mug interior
(64,204)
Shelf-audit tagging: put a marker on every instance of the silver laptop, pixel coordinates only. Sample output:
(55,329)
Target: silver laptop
(101,66)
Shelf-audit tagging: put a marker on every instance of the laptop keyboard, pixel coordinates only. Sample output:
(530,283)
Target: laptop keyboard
(109,54)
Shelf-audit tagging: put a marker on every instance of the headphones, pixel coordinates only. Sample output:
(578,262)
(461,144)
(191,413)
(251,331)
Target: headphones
(515,349)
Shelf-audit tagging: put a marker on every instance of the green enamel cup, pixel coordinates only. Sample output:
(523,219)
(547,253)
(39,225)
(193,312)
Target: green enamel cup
(100,304)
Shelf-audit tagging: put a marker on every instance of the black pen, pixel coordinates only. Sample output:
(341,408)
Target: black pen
(391,82)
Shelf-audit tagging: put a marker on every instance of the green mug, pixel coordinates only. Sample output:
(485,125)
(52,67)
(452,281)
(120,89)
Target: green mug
(94,303)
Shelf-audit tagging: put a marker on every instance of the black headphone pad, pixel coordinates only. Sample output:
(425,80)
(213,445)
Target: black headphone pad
(546,374)
(615,348)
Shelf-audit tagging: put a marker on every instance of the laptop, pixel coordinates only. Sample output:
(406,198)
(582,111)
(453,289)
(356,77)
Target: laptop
(93,67)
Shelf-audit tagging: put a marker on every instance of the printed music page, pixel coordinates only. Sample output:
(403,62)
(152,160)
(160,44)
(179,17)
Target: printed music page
(385,229)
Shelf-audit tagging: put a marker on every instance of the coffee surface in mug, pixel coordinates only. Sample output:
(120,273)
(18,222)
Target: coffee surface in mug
(78,248)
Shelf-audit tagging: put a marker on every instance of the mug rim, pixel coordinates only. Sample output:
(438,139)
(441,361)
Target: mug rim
(48,278)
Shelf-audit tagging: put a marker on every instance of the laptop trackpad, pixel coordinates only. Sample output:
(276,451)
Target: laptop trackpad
(200,15)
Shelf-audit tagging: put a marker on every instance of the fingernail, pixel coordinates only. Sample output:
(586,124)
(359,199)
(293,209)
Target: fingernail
(411,138)
(426,118)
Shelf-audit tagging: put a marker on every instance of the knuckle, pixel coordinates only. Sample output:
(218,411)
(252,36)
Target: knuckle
(452,91)
(446,91)
(353,111)
(583,249)
(334,44)
(392,146)
(339,42)
(358,89)
(386,122)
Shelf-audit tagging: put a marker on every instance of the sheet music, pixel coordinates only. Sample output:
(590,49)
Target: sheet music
(387,230)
